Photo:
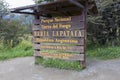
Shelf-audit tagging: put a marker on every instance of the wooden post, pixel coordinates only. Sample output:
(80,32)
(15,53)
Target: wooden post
(83,63)
(37,18)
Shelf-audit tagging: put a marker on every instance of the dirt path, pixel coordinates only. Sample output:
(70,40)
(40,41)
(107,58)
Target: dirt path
(24,69)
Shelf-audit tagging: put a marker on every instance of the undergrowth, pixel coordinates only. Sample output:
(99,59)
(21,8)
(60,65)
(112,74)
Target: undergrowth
(106,52)
(23,49)
(61,64)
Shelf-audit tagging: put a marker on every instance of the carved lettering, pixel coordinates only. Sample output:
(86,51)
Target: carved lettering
(56,40)
(53,55)
(73,33)
(46,20)
(59,19)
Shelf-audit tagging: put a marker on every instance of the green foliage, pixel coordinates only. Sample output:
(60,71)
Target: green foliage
(105,29)
(102,3)
(10,30)
(61,64)
(111,18)
(21,50)
(11,33)
(95,30)
(104,52)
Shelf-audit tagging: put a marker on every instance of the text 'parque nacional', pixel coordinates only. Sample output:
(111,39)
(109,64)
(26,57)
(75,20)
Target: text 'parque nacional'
(56,19)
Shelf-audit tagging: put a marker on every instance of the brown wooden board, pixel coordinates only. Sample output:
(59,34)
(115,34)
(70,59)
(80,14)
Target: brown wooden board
(59,26)
(59,33)
(65,48)
(76,41)
(73,19)
(65,56)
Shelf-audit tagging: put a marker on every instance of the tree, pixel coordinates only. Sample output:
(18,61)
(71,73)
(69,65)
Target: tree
(3,12)
(11,33)
(111,18)
(11,30)
(3,8)
(105,28)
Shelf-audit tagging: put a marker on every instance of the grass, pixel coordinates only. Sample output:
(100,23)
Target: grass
(21,50)
(61,64)
(25,48)
(104,53)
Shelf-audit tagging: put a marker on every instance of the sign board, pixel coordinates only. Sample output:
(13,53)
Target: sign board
(60,37)
(63,35)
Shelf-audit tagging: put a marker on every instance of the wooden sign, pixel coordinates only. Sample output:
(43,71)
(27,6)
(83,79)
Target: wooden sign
(58,24)
(64,37)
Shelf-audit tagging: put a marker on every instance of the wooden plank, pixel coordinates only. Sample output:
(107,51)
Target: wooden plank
(65,56)
(36,46)
(65,48)
(36,27)
(36,22)
(60,26)
(73,19)
(77,41)
(59,33)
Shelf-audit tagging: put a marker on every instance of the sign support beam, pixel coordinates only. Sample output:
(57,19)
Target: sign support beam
(76,3)
(85,32)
